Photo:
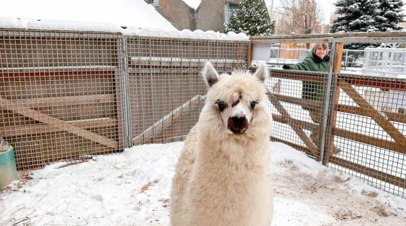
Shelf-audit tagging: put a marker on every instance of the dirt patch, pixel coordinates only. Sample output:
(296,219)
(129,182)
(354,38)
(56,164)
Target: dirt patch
(23,177)
(371,194)
(147,186)
(381,211)
(333,193)
(345,214)
(165,203)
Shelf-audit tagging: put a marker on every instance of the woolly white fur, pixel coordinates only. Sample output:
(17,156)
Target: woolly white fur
(223,179)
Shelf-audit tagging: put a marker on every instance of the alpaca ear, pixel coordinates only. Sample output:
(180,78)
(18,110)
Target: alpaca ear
(210,74)
(262,73)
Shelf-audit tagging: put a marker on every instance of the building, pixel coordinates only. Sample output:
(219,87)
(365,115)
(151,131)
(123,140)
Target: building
(193,15)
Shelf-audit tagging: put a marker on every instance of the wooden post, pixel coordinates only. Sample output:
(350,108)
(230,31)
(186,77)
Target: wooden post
(338,57)
(336,69)
(250,54)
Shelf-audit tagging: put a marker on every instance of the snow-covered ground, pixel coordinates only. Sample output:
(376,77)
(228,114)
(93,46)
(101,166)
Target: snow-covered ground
(132,188)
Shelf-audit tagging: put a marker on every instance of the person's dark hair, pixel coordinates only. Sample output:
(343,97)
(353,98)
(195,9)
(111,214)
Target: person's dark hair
(317,45)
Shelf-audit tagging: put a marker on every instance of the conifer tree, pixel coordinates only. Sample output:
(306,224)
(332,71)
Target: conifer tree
(355,16)
(367,16)
(389,15)
(252,18)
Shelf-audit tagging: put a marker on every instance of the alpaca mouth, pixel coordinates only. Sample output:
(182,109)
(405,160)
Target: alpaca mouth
(237,125)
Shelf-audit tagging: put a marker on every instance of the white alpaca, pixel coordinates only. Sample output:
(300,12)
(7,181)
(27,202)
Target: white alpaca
(222,177)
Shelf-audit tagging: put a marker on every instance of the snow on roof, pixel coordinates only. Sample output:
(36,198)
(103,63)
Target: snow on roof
(194,4)
(197,34)
(130,17)
(94,15)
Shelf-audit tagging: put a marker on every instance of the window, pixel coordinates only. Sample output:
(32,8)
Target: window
(229,9)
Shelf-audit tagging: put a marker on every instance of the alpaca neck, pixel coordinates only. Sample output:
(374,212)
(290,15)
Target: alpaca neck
(233,150)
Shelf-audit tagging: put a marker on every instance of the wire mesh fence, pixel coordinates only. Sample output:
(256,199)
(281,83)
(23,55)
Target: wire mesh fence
(166,89)
(297,99)
(67,95)
(370,129)
(366,127)
(280,55)
(60,94)
(70,95)
(352,59)
(362,127)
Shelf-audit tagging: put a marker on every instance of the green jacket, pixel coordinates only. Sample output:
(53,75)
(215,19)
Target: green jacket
(313,63)
(313,90)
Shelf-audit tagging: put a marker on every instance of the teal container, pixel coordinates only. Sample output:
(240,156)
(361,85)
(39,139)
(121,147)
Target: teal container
(8,171)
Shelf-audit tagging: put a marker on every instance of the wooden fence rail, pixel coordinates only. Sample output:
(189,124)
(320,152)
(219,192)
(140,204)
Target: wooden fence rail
(395,136)
(69,94)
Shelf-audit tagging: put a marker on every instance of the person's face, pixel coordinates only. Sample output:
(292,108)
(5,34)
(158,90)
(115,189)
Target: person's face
(321,52)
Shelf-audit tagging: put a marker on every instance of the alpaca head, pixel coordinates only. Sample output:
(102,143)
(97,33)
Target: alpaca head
(235,99)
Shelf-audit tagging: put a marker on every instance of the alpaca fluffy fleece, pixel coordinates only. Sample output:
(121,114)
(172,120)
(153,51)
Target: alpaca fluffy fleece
(222,178)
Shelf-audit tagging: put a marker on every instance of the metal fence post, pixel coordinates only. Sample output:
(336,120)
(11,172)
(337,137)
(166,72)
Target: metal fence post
(332,95)
(122,56)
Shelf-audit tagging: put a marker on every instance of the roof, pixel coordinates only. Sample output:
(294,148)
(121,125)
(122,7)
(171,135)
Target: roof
(94,15)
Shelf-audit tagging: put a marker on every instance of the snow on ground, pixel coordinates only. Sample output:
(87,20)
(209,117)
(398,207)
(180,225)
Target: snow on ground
(132,188)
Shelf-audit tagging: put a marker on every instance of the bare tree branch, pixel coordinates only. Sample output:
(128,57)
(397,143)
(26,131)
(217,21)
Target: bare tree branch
(299,17)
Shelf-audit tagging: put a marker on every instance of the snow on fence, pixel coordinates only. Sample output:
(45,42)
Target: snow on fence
(70,95)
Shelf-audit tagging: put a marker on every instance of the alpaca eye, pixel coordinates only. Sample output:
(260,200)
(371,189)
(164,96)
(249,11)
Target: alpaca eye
(221,105)
(253,104)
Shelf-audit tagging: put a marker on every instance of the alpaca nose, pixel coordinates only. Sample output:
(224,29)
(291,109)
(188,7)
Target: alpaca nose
(237,125)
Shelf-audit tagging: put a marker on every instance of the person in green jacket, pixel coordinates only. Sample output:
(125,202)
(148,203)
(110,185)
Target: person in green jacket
(316,60)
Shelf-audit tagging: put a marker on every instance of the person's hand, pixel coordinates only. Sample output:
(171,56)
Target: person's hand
(286,67)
